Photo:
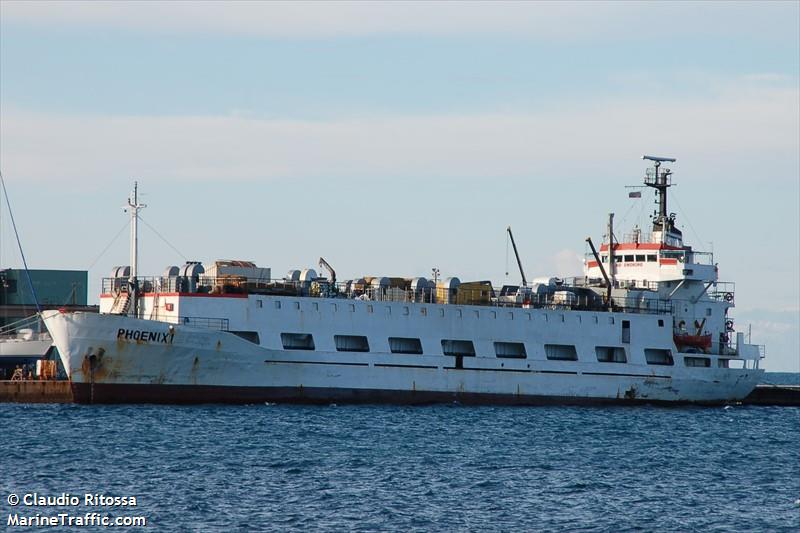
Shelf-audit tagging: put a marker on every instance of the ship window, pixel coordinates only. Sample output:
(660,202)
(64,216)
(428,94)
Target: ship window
(697,361)
(561,352)
(528,316)
(458,347)
(723,363)
(562,318)
(369,308)
(458,313)
(296,305)
(405,310)
(351,343)
(405,345)
(640,259)
(661,322)
(626,331)
(604,258)
(352,308)
(656,356)
(441,312)
(494,314)
(511,316)
(611,320)
(708,311)
(629,259)
(596,320)
(618,259)
(277,305)
(297,341)
(477,314)
(652,258)
(544,317)
(423,311)
(334,308)
(388,310)
(610,354)
(259,303)
(510,350)
(316,306)
(251,336)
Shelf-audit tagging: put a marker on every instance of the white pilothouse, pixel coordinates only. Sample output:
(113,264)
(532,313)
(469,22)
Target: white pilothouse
(647,322)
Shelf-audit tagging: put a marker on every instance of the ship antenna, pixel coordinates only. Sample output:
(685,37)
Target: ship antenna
(134,206)
(661,182)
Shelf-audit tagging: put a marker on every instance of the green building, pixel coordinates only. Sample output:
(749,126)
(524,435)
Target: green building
(54,289)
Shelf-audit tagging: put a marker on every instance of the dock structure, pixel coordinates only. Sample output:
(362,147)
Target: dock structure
(786,395)
(59,391)
(35,391)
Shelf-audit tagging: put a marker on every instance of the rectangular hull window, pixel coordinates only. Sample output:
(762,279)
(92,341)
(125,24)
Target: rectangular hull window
(510,350)
(405,345)
(457,347)
(297,341)
(610,354)
(658,357)
(561,352)
(351,343)
(697,361)
(251,336)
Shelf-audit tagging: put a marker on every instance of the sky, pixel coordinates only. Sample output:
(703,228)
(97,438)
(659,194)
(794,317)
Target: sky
(392,138)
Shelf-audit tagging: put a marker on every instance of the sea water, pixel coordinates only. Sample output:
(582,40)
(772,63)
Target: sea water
(396,468)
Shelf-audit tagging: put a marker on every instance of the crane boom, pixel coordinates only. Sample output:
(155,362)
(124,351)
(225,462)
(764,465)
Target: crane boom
(516,253)
(324,264)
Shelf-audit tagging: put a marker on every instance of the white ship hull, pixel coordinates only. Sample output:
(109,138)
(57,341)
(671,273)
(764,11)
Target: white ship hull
(114,358)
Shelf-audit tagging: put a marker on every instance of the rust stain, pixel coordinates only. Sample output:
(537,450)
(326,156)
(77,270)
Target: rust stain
(95,365)
(193,373)
(630,394)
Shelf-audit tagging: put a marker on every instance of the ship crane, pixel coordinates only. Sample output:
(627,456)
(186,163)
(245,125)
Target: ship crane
(324,264)
(516,254)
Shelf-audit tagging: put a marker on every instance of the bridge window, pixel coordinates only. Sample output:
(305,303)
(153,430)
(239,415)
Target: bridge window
(629,259)
(297,341)
(351,343)
(604,258)
(640,259)
(652,258)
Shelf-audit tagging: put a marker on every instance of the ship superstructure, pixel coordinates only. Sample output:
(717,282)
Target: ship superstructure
(648,321)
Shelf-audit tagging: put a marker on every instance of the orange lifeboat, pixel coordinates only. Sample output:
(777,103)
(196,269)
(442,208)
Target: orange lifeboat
(684,340)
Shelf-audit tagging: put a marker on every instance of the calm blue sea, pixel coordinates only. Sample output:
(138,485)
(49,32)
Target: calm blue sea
(438,468)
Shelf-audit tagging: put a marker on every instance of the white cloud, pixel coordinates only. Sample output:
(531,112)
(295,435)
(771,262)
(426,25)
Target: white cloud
(759,127)
(538,20)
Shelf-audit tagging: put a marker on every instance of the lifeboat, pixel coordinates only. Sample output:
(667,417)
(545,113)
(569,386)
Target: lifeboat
(701,342)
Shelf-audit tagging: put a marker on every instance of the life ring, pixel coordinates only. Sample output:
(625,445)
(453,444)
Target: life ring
(728,296)
(729,325)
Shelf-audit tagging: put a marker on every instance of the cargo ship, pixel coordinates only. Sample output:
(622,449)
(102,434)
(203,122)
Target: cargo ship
(647,322)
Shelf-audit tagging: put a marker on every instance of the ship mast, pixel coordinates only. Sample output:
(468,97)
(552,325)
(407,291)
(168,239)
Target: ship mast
(660,181)
(134,206)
